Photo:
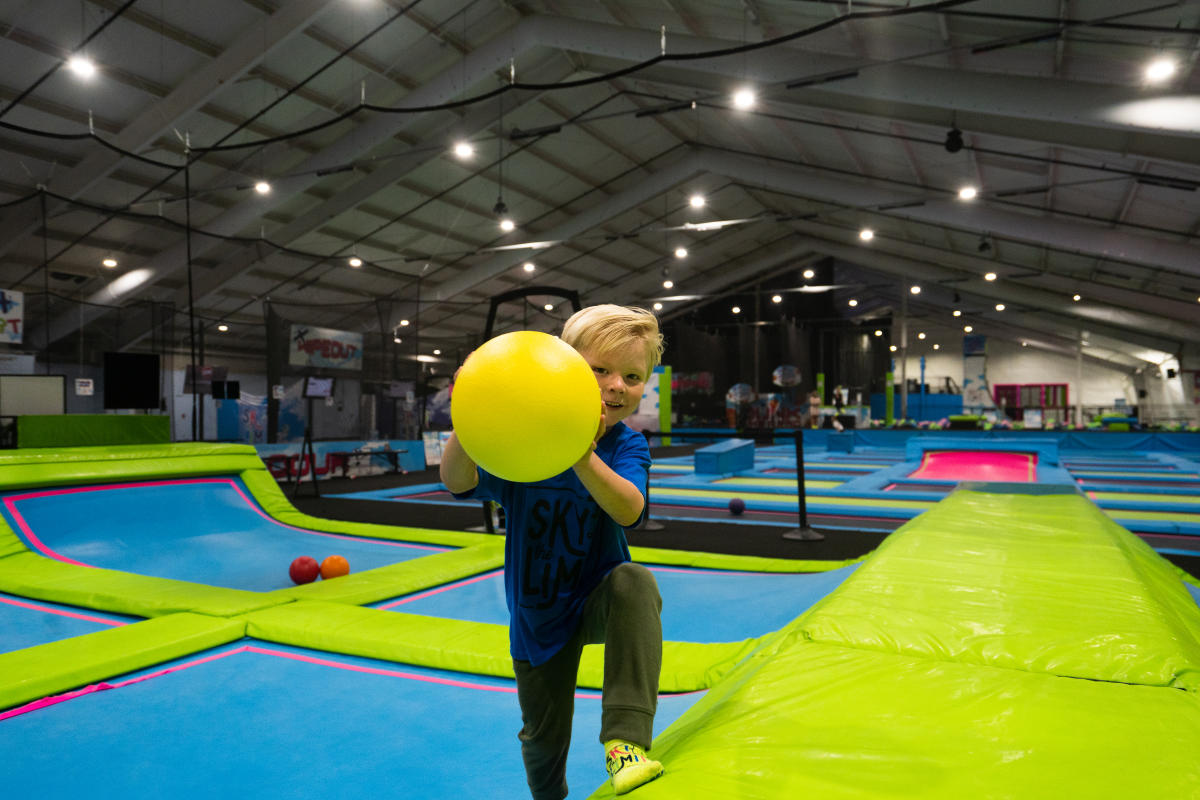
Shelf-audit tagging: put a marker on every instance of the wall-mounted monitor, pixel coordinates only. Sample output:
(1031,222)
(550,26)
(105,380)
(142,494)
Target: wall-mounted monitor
(131,380)
(318,387)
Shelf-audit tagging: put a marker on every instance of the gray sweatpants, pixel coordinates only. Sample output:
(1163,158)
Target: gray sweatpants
(623,614)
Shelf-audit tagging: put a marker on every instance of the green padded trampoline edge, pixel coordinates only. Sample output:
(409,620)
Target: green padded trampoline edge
(30,575)
(464,646)
(65,665)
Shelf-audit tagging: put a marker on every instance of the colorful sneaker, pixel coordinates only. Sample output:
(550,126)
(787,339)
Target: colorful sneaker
(628,767)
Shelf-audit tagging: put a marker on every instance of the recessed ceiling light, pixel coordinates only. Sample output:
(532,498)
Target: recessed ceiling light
(1159,70)
(999,306)
(549,306)
(808,273)
(397,339)
(464,150)
(937,347)
(915,289)
(223,327)
(1076,298)
(957,313)
(355,261)
(892,348)
(991,276)
(404,322)
(744,99)
(921,335)
(82,66)
(968,328)
(109,262)
(262,187)
(668,284)
(852,303)
(775,298)
(528,266)
(681,252)
(507,225)
(866,234)
(658,306)
(437,352)
(878,332)
(967,193)
(736,309)
(696,201)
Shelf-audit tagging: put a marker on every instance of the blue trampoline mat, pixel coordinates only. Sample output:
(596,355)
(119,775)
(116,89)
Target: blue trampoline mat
(267,721)
(26,623)
(698,605)
(204,530)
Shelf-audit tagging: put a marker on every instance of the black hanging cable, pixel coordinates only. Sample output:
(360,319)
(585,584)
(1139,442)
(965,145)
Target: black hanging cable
(195,368)
(46,285)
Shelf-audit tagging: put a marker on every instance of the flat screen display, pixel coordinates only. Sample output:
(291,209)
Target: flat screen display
(318,387)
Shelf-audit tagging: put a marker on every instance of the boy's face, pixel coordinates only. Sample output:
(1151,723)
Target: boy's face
(621,374)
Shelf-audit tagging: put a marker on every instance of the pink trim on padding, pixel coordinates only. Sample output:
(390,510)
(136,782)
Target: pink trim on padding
(11,501)
(45,702)
(61,612)
(482,577)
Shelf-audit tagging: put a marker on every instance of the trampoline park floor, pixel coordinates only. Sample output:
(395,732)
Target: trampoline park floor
(1156,495)
(255,716)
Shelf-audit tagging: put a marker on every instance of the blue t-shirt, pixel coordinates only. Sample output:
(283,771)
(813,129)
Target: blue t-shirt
(560,544)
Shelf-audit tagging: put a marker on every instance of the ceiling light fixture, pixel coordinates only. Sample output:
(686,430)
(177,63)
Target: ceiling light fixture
(775,298)
(967,328)
(968,193)
(549,306)
(82,66)
(355,262)
(736,309)
(991,276)
(921,335)
(937,347)
(1159,70)
(878,332)
(658,306)
(668,283)
(892,348)
(999,306)
(223,327)
(1076,298)
(696,201)
(744,99)
(528,266)
(464,150)
(262,187)
(808,273)
(109,262)
(915,289)
(681,252)
(866,234)
(957,313)
(852,303)
(403,323)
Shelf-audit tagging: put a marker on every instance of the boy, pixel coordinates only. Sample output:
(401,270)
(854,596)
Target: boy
(567,574)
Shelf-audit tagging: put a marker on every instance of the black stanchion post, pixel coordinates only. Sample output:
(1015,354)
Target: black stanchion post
(804,532)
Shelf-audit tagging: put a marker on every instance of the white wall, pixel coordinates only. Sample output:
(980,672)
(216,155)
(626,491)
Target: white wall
(1009,362)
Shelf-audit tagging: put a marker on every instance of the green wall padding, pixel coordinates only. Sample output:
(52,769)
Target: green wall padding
(809,720)
(60,666)
(86,465)
(31,575)
(84,430)
(1037,583)
(401,578)
(463,646)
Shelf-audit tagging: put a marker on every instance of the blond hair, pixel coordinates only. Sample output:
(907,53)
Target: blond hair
(607,327)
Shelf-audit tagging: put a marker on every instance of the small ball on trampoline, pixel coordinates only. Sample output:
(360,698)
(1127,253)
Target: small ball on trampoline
(304,570)
(334,567)
(736,506)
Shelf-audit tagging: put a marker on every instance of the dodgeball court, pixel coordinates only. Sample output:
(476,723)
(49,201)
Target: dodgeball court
(780,676)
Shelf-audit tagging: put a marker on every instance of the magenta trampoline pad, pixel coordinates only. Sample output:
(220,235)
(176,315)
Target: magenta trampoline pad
(977,465)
